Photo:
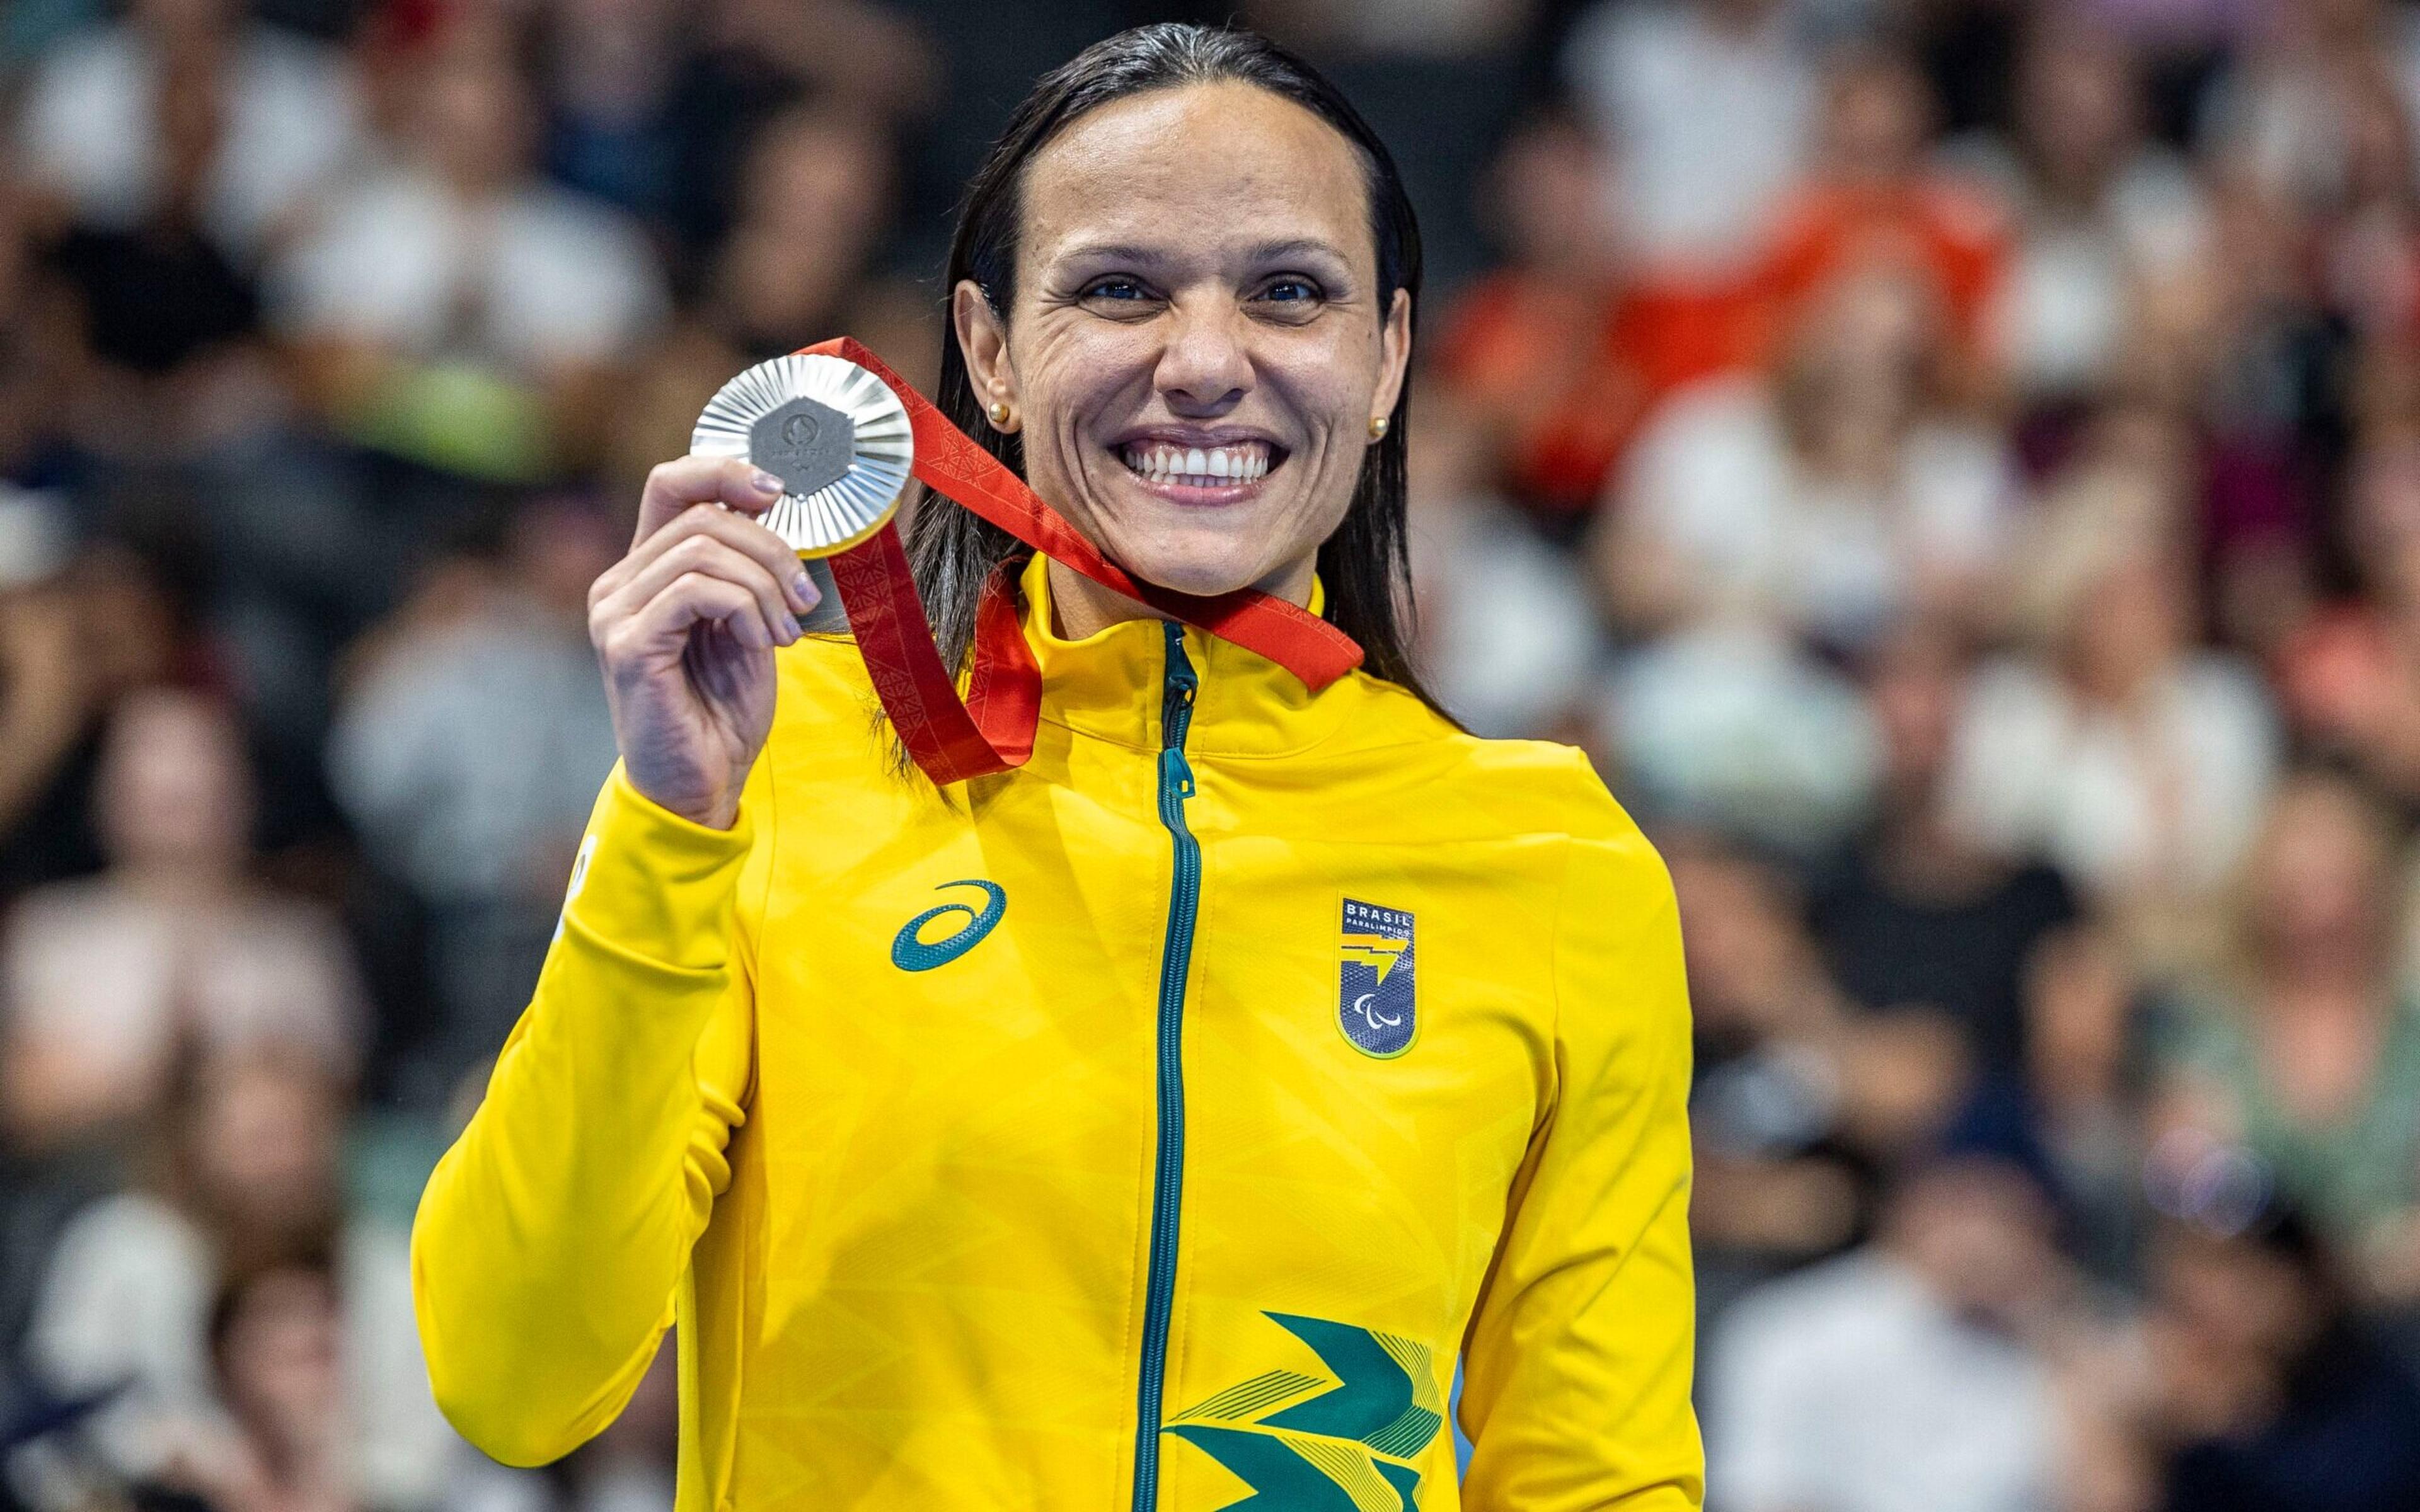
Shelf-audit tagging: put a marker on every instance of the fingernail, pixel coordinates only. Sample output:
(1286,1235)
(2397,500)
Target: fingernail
(765,483)
(790,631)
(802,592)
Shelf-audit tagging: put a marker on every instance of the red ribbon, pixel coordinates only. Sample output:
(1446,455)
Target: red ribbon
(992,730)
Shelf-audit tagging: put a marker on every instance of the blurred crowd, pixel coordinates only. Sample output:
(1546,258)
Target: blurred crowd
(1954,463)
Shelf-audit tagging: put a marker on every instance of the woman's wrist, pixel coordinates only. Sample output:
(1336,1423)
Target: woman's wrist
(716,810)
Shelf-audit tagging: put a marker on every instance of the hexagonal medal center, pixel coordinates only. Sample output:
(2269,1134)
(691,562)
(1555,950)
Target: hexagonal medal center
(806,444)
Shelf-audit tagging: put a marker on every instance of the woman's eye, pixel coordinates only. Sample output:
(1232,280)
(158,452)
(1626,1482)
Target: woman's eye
(1290,292)
(1115,289)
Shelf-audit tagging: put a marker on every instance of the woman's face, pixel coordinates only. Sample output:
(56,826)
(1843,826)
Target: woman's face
(2323,874)
(1196,347)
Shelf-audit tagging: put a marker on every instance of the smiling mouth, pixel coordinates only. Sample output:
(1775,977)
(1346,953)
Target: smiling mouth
(1228,471)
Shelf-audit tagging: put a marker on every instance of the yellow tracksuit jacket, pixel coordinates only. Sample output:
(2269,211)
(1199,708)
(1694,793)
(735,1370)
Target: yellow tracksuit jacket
(1151,1127)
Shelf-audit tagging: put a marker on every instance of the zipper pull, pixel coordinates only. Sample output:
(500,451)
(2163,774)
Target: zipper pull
(1175,772)
(1177,689)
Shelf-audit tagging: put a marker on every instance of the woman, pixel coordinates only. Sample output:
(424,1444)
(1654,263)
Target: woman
(2132,757)
(1151,1126)
(1834,499)
(245,1185)
(2306,1053)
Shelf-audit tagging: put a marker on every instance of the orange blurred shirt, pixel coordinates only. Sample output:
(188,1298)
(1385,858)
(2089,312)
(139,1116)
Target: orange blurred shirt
(1565,376)
(1953,238)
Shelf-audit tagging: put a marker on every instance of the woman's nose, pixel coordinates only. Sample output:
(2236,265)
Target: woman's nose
(1204,368)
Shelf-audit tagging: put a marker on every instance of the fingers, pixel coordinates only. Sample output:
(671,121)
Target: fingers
(665,620)
(741,534)
(706,552)
(673,486)
(698,556)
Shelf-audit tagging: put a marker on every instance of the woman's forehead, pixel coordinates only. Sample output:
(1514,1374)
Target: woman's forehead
(1196,169)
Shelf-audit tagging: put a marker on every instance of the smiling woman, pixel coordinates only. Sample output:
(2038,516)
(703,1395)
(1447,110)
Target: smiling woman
(1183,312)
(1318,237)
(1157,1124)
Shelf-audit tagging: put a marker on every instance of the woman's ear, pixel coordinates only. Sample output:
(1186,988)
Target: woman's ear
(983,340)
(1394,354)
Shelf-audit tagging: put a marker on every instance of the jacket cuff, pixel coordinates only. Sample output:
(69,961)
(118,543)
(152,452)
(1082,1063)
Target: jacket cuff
(654,885)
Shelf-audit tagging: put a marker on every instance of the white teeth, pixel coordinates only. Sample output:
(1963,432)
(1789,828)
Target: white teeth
(1199,467)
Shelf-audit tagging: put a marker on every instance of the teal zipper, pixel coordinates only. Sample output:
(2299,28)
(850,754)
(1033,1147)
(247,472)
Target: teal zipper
(1175,960)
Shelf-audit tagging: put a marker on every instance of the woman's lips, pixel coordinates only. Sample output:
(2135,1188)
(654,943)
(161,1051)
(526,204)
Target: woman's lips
(1224,475)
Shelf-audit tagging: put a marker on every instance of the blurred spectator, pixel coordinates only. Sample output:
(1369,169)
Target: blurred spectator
(1773,1184)
(2264,1390)
(46,706)
(469,749)
(62,656)
(1733,727)
(1799,1100)
(275,1349)
(2307,1053)
(1508,633)
(2279,113)
(619,127)
(2099,211)
(246,1203)
(37,321)
(1915,913)
(1830,499)
(1565,349)
(169,366)
(453,309)
(651,105)
(1875,206)
(76,635)
(2369,252)
(2088,1062)
(2350,678)
(1907,1376)
(2260,367)
(1652,78)
(815,201)
(2134,762)
(175,944)
(186,99)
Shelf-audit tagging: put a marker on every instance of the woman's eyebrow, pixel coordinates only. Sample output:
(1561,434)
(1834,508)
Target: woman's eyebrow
(1113,252)
(1296,247)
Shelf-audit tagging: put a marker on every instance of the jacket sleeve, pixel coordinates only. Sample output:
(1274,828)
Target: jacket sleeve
(1577,1364)
(552,1236)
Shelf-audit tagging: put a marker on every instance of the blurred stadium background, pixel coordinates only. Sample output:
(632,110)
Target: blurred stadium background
(1955,464)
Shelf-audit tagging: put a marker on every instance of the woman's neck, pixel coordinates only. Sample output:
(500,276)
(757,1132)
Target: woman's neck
(1080,607)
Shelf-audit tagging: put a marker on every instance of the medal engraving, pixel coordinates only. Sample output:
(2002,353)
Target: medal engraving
(807,445)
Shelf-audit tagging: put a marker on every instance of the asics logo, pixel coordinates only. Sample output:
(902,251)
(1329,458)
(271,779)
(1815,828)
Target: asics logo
(912,951)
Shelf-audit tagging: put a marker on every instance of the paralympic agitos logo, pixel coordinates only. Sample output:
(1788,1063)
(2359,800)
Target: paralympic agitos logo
(912,951)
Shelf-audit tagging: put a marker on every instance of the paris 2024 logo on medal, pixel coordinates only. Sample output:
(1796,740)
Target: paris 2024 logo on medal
(1374,1003)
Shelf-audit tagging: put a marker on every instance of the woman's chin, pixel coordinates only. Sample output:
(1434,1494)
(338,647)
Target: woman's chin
(1187,556)
(1201,577)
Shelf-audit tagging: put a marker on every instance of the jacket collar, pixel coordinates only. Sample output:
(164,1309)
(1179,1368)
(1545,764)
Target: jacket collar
(1110,684)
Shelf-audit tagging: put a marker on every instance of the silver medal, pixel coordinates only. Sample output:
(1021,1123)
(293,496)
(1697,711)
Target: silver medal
(834,433)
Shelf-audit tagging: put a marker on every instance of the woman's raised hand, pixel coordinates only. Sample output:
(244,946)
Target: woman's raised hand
(684,628)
